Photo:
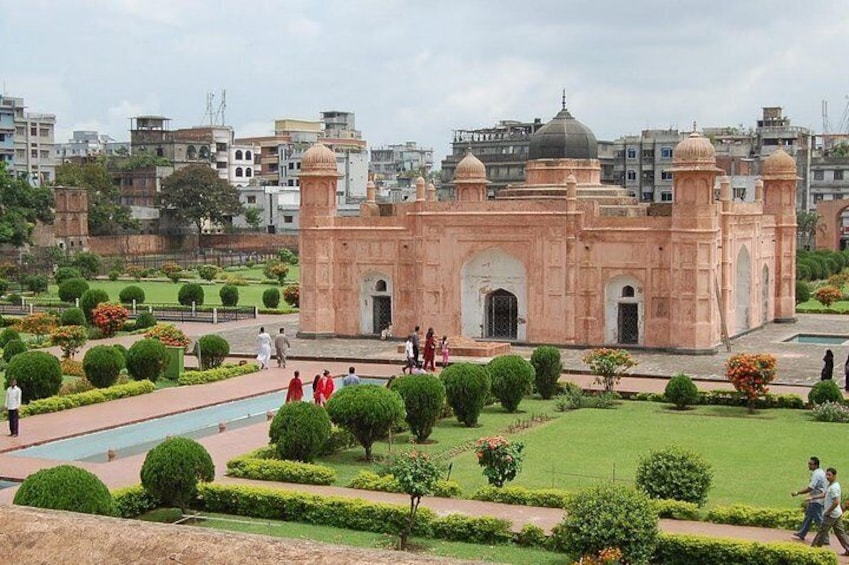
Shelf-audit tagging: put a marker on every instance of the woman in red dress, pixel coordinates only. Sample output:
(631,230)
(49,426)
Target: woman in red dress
(316,391)
(326,386)
(295,393)
(430,350)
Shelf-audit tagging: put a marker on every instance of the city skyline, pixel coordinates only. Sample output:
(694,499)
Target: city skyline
(413,72)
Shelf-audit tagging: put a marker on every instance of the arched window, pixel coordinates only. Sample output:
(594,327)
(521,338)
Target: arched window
(238,171)
(204,152)
(191,152)
(248,155)
(239,154)
(380,286)
(248,172)
(628,291)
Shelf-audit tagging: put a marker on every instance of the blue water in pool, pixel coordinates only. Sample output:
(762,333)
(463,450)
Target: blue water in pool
(142,436)
(818,339)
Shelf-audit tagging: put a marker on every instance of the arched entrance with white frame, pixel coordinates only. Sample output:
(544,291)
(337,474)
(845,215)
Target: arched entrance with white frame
(742,291)
(624,311)
(493,296)
(765,293)
(376,303)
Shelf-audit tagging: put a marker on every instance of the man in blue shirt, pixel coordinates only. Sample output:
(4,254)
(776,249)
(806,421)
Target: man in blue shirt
(351,378)
(816,493)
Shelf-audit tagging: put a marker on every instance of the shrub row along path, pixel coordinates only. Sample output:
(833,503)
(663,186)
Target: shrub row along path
(124,471)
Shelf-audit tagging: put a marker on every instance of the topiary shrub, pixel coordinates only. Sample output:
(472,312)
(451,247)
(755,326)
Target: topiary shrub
(212,350)
(547,368)
(36,283)
(38,374)
(146,359)
(512,378)
(66,488)
(190,293)
(72,317)
(467,387)
(424,400)
(130,293)
(803,291)
(145,320)
(825,391)
(299,431)
(63,274)
(123,352)
(90,299)
(172,470)
(7,335)
(207,272)
(13,348)
(675,473)
(72,289)
(271,297)
(608,516)
(229,295)
(367,411)
(102,364)
(681,391)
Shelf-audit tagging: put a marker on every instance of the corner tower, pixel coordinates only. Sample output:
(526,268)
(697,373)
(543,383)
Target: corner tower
(779,178)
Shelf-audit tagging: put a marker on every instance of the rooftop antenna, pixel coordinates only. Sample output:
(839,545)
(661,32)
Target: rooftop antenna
(209,114)
(219,114)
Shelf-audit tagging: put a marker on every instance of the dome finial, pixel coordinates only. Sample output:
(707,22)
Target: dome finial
(563,100)
(694,126)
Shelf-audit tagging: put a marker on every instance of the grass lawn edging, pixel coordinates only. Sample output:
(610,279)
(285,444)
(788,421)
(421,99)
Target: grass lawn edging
(189,378)
(367,480)
(251,466)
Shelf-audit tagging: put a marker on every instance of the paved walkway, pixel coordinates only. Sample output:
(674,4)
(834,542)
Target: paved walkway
(336,354)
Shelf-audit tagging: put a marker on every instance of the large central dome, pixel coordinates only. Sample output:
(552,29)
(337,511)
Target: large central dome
(563,137)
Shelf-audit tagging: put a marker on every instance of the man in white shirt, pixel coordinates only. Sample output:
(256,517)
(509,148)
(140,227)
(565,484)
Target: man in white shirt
(832,513)
(13,403)
(409,353)
(816,494)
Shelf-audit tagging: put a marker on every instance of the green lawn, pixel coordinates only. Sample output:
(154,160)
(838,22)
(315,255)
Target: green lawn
(326,534)
(814,304)
(757,459)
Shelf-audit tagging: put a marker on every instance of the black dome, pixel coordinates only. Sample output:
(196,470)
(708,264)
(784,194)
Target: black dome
(563,137)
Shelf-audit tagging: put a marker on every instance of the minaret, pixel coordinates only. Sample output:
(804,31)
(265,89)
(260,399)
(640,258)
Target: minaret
(317,215)
(470,179)
(779,194)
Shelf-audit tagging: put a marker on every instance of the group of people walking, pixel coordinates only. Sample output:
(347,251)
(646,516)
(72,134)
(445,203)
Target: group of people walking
(322,388)
(411,352)
(823,506)
(264,343)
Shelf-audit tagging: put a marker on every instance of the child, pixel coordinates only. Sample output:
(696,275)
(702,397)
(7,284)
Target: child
(444,346)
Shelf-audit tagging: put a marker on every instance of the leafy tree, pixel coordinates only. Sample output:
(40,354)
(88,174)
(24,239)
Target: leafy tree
(828,295)
(751,373)
(418,475)
(106,214)
(253,217)
(807,225)
(196,194)
(367,411)
(143,160)
(608,365)
(21,206)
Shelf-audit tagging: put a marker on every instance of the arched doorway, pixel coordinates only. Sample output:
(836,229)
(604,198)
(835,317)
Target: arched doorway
(624,311)
(765,292)
(501,315)
(376,301)
(742,290)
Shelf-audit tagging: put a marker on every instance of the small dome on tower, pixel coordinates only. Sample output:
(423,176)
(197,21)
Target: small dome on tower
(319,157)
(695,150)
(563,137)
(779,163)
(470,167)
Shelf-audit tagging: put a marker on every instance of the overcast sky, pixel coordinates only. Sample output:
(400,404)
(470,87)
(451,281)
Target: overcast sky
(416,70)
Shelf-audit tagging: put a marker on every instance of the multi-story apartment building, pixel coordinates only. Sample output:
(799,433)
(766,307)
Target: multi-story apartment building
(7,132)
(643,164)
(395,168)
(32,137)
(89,144)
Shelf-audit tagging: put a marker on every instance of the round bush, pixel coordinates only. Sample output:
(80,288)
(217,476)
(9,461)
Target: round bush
(367,411)
(72,317)
(512,378)
(675,473)
(207,272)
(38,374)
(606,516)
(681,391)
(172,470)
(271,297)
(123,351)
(36,283)
(213,349)
(424,400)
(145,320)
(190,292)
(130,293)
(467,387)
(299,431)
(547,368)
(12,348)
(803,291)
(63,274)
(90,299)
(71,289)
(146,359)
(825,391)
(102,364)
(66,488)
(7,335)
(229,295)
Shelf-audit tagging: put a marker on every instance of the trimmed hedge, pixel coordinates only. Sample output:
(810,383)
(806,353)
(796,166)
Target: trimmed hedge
(744,515)
(366,480)
(731,398)
(217,374)
(698,550)
(68,401)
(133,501)
(250,466)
